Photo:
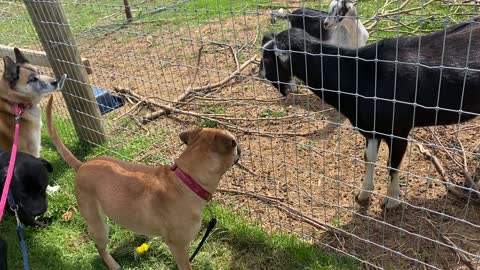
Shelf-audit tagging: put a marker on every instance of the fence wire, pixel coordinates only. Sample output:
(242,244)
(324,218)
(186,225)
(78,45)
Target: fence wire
(195,63)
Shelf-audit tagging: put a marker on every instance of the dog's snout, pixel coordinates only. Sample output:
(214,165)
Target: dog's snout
(54,83)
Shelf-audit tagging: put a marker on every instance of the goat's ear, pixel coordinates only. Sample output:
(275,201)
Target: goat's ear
(282,55)
(267,37)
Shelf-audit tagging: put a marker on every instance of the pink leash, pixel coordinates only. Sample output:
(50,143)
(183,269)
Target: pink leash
(13,156)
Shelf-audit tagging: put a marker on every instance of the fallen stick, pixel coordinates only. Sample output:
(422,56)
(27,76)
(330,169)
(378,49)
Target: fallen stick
(188,91)
(233,127)
(241,166)
(197,68)
(275,202)
(438,166)
(448,243)
(473,185)
(466,172)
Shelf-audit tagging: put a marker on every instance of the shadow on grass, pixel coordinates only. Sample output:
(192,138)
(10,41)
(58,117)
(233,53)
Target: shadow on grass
(41,256)
(259,251)
(235,246)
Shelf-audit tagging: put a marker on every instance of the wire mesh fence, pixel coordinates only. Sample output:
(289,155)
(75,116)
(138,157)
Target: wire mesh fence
(195,63)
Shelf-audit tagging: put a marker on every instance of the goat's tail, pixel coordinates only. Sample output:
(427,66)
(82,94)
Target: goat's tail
(52,131)
(280,14)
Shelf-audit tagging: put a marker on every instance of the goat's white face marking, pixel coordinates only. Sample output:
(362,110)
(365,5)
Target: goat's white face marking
(338,8)
(283,56)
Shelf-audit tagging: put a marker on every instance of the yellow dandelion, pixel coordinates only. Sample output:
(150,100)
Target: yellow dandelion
(143,248)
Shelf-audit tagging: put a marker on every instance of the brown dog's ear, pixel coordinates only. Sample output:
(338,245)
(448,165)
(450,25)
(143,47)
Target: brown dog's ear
(10,69)
(19,56)
(187,136)
(225,141)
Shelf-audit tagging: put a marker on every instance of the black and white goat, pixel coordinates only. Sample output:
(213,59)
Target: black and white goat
(340,26)
(394,85)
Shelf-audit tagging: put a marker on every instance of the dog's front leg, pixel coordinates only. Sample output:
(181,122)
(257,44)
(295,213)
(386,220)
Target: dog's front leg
(180,254)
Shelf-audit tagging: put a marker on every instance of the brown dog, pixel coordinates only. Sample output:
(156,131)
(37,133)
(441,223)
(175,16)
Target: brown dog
(150,200)
(22,84)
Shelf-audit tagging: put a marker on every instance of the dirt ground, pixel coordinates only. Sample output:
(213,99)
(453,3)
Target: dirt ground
(299,150)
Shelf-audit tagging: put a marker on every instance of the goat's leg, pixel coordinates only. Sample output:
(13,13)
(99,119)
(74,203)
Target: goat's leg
(397,151)
(371,153)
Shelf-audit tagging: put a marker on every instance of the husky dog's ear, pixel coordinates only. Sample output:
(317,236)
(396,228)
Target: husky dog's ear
(10,72)
(19,56)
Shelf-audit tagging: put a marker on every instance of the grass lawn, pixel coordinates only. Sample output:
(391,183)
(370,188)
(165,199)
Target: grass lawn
(91,17)
(234,244)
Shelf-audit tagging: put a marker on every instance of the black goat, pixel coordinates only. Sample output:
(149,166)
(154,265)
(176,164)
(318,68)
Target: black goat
(339,27)
(416,81)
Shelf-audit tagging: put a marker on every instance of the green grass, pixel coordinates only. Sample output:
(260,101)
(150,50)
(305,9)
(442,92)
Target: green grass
(271,113)
(234,244)
(207,123)
(90,17)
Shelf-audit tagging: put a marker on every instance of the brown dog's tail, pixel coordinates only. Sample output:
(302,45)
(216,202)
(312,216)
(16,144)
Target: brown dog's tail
(66,154)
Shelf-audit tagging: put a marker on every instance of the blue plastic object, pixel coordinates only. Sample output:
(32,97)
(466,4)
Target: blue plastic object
(106,101)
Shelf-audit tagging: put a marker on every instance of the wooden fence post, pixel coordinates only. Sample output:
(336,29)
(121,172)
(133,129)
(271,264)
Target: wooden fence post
(57,40)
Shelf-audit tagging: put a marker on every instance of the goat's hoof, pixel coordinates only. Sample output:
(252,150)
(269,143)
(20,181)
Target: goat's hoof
(362,198)
(391,203)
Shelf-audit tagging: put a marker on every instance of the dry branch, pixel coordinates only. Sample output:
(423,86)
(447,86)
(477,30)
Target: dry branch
(463,257)
(233,127)
(243,167)
(291,212)
(438,166)
(187,92)
(397,11)
(197,68)
(467,175)
(234,55)
(214,117)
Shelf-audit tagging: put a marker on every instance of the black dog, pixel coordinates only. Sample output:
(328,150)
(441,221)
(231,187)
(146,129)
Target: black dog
(29,184)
